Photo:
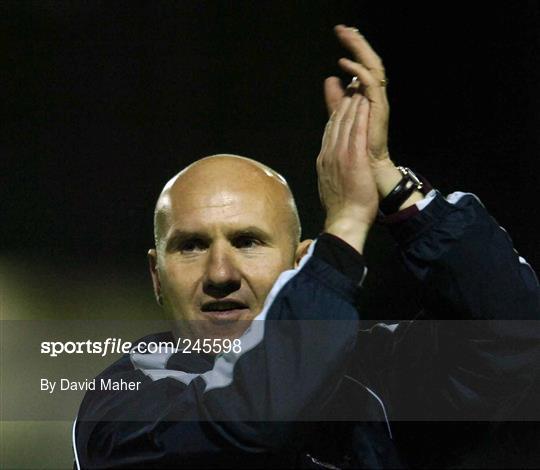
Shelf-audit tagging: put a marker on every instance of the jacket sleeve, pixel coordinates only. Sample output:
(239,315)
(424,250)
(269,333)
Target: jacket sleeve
(467,262)
(292,359)
(474,351)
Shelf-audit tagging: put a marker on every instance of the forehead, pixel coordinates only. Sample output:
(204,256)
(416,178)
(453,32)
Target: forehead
(201,206)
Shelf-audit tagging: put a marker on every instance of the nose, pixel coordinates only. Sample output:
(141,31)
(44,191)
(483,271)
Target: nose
(222,276)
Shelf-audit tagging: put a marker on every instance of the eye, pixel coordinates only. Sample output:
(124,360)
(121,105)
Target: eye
(192,245)
(245,241)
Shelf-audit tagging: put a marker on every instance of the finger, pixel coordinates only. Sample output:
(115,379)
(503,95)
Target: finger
(358,132)
(333,93)
(361,49)
(336,121)
(348,121)
(372,86)
(332,127)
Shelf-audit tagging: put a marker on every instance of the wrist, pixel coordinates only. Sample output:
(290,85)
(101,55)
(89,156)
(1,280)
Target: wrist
(350,231)
(387,176)
(412,199)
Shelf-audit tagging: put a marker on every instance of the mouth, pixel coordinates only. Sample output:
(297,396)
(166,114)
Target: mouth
(224,310)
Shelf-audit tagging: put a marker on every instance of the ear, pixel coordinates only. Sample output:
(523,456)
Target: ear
(301,251)
(152,264)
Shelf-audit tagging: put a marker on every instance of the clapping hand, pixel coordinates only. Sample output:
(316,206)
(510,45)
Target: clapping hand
(369,73)
(346,185)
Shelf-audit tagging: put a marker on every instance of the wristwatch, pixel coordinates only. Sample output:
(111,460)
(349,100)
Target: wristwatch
(401,192)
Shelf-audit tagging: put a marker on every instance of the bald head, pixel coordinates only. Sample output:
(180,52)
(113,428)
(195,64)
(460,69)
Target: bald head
(218,181)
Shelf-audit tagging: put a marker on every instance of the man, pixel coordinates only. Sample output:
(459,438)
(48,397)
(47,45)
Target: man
(304,386)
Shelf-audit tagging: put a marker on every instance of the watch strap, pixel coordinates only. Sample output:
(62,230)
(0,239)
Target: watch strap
(401,192)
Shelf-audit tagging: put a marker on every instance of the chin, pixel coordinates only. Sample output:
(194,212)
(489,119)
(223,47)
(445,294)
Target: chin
(232,330)
(204,328)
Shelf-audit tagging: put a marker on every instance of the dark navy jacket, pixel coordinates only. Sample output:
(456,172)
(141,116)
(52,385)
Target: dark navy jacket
(310,388)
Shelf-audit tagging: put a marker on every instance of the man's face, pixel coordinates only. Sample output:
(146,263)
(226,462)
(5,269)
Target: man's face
(224,245)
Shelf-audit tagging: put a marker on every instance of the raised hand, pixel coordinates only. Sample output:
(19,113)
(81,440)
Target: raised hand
(369,71)
(346,185)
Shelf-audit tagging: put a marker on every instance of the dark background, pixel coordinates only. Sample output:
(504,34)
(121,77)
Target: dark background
(105,101)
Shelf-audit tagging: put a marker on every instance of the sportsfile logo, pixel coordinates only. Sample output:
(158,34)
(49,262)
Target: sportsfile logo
(110,345)
(118,346)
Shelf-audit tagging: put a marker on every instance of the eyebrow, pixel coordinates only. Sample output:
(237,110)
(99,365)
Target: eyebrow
(179,236)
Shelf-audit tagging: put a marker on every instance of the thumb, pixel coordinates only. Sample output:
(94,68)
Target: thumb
(333,93)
